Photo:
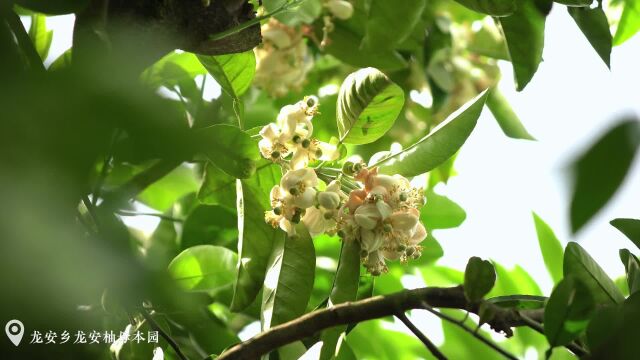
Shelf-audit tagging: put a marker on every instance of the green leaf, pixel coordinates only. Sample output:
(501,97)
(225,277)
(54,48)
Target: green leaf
(305,13)
(524,34)
(63,61)
(594,25)
(439,145)
(568,312)
(630,228)
(40,36)
(574,3)
(386,15)
(479,278)
(209,224)
(54,7)
(218,188)
(204,268)
(550,247)
(505,116)
(289,280)
(441,213)
(345,288)
(255,236)
(632,267)
(579,264)
(230,149)
(368,105)
(163,193)
(592,187)
(173,69)
(491,7)
(629,23)
(613,332)
(519,302)
(234,72)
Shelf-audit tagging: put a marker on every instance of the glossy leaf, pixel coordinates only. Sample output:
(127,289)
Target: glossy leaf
(524,34)
(368,105)
(204,268)
(173,69)
(479,278)
(491,7)
(255,236)
(630,228)
(568,312)
(162,194)
(439,145)
(550,247)
(574,3)
(234,72)
(629,23)
(386,15)
(40,36)
(632,267)
(505,116)
(594,25)
(345,288)
(592,187)
(289,280)
(579,264)
(441,212)
(230,149)
(613,331)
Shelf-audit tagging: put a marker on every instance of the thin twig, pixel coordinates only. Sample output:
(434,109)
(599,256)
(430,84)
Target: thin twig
(154,325)
(97,189)
(469,330)
(425,340)
(24,41)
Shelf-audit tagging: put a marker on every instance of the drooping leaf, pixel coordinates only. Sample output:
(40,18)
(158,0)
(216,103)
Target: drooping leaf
(439,145)
(234,72)
(629,23)
(630,228)
(579,264)
(255,236)
(289,280)
(204,268)
(40,36)
(632,267)
(550,247)
(594,25)
(368,105)
(567,312)
(54,7)
(386,15)
(491,7)
(479,278)
(524,34)
(593,186)
(345,288)
(229,148)
(519,302)
(505,116)
(441,213)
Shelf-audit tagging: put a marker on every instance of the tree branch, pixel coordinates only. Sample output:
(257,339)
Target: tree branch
(368,309)
(425,340)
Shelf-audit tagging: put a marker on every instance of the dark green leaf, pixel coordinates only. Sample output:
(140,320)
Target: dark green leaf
(63,61)
(579,264)
(218,188)
(234,72)
(524,33)
(289,280)
(520,302)
(629,23)
(209,224)
(574,3)
(163,193)
(439,145)
(550,247)
(629,227)
(568,312)
(594,25)
(204,268)
(613,333)
(479,278)
(505,116)
(593,186)
(441,213)
(54,7)
(491,7)
(230,149)
(386,15)
(632,267)
(368,105)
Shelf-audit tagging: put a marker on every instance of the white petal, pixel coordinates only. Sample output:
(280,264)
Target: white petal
(404,221)
(371,240)
(367,216)
(384,209)
(314,220)
(306,199)
(328,200)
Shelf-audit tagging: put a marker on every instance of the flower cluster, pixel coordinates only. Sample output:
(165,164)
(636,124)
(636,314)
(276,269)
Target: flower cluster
(283,60)
(378,211)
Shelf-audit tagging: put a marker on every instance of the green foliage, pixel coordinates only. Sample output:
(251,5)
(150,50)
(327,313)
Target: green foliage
(520,302)
(479,278)
(54,7)
(234,72)
(505,116)
(550,247)
(632,267)
(230,149)
(613,332)
(385,15)
(204,268)
(629,227)
(441,213)
(595,26)
(593,188)
(491,7)
(567,312)
(368,104)
(629,23)
(40,36)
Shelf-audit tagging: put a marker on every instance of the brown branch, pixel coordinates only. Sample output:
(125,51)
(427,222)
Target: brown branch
(368,309)
(425,340)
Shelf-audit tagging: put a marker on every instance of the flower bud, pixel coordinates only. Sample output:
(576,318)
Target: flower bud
(277,37)
(347,168)
(329,200)
(341,9)
(367,216)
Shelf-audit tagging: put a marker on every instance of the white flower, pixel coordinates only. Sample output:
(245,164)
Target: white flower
(367,216)
(300,185)
(371,240)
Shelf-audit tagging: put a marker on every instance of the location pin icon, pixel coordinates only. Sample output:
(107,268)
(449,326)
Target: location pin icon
(14,330)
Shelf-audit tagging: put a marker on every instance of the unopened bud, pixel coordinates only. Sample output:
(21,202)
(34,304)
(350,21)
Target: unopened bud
(347,168)
(329,200)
